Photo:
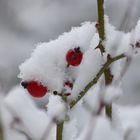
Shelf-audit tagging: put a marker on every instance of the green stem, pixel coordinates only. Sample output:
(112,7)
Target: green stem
(59,127)
(108,81)
(95,80)
(59,131)
(101,30)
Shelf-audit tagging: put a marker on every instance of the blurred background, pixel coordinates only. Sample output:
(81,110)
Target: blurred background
(25,23)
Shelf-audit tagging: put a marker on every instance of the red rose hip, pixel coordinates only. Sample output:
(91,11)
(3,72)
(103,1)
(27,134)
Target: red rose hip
(74,56)
(35,88)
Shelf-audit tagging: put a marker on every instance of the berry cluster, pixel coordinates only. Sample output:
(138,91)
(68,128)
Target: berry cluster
(37,89)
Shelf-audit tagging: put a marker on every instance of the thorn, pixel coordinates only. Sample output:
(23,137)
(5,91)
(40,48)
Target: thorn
(109,57)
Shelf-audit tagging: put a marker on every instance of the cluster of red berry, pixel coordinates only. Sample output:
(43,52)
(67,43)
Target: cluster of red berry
(36,89)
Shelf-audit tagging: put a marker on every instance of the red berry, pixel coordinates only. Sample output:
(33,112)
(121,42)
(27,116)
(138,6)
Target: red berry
(68,84)
(74,56)
(36,89)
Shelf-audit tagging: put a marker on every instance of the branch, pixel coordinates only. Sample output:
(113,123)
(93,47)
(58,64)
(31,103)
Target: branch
(101,30)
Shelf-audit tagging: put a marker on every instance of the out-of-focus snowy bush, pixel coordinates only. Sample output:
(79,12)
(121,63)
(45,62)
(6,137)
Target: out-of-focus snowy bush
(37,21)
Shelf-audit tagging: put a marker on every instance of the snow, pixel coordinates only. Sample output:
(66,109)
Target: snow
(56,108)
(18,104)
(70,130)
(112,93)
(129,116)
(80,120)
(104,127)
(93,97)
(136,34)
(100,128)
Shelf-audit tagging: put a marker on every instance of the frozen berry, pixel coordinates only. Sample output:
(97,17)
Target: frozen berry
(68,84)
(36,89)
(74,56)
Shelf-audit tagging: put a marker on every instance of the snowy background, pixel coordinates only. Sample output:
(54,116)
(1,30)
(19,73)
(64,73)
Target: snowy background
(23,24)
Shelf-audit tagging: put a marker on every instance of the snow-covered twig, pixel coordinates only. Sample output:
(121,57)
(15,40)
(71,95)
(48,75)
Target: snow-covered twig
(95,79)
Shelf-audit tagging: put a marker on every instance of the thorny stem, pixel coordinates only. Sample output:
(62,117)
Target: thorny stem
(95,80)
(101,30)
